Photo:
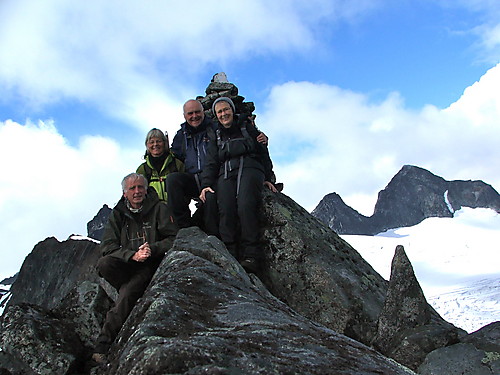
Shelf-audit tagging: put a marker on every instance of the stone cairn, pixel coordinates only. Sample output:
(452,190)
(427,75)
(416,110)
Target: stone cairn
(220,87)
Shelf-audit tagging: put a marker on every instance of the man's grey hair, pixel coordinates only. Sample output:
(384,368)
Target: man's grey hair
(133,176)
(191,100)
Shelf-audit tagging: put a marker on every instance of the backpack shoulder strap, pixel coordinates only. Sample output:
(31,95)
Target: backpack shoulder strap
(148,170)
(244,131)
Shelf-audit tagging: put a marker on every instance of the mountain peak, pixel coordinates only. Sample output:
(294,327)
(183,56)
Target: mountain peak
(413,195)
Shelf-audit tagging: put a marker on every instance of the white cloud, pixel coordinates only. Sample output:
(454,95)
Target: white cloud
(326,139)
(49,188)
(487,27)
(109,53)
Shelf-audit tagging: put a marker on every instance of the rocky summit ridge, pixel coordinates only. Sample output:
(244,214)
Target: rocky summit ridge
(412,195)
(317,308)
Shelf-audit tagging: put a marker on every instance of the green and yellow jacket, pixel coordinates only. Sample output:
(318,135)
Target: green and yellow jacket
(157,179)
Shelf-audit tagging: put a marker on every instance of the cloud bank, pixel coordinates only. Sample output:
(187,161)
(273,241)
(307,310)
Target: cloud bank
(49,188)
(116,53)
(326,139)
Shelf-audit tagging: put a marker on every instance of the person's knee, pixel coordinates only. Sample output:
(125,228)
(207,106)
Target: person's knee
(173,180)
(107,265)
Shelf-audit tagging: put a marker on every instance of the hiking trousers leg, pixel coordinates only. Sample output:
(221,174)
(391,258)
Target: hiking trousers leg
(131,280)
(228,213)
(181,188)
(242,208)
(249,202)
(211,215)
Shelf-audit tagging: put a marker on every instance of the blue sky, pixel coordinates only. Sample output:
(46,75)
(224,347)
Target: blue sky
(347,91)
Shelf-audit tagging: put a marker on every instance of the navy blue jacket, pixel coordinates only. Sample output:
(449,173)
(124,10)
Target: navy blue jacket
(190,145)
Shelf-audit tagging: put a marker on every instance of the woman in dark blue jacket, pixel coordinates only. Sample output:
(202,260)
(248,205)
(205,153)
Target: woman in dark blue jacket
(237,167)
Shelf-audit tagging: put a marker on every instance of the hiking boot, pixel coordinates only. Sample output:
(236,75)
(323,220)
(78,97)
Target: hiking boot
(99,358)
(250,265)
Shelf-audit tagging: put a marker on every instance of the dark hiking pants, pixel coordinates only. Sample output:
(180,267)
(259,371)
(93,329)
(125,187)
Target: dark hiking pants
(181,188)
(130,279)
(243,208)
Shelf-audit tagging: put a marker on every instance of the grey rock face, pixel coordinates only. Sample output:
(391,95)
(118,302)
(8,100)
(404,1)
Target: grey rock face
(52,269)
(315,272)
(477,354)
(408,327)
(202,314)
(35,340)
(85,306)
(464,359)
(412,195)
(95,227)
(41,341)
(486,338)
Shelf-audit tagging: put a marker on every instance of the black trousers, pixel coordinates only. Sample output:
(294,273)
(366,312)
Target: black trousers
(181,188)
(130,279)
(241,208)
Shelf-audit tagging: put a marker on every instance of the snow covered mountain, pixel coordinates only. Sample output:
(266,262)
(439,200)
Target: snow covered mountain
(456,260)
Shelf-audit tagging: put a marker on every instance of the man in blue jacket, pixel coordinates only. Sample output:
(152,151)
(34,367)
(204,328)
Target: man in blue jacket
(189,145)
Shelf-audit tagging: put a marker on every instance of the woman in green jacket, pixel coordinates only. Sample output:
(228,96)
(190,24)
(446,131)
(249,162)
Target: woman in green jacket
(159,162)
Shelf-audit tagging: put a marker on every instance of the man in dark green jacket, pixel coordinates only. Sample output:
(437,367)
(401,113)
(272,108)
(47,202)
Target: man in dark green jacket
(139,232)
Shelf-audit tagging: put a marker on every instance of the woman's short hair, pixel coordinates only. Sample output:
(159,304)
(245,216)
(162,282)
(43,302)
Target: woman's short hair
(157,133)
(223,99)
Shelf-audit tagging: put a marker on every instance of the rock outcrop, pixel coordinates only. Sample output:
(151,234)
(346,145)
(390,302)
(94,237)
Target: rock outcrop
(95,227)
(408,327)
(5,285)
(52,269)
(203,314)
(413,194)
(314,309)
(318,274)
(476,354)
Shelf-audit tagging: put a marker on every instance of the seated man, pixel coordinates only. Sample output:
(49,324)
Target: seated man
(139,232)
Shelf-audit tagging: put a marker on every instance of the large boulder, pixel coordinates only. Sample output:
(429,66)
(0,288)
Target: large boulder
(317,273)
(52,269)
(202,314)
(44,343)
(53,341)
(477,354)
